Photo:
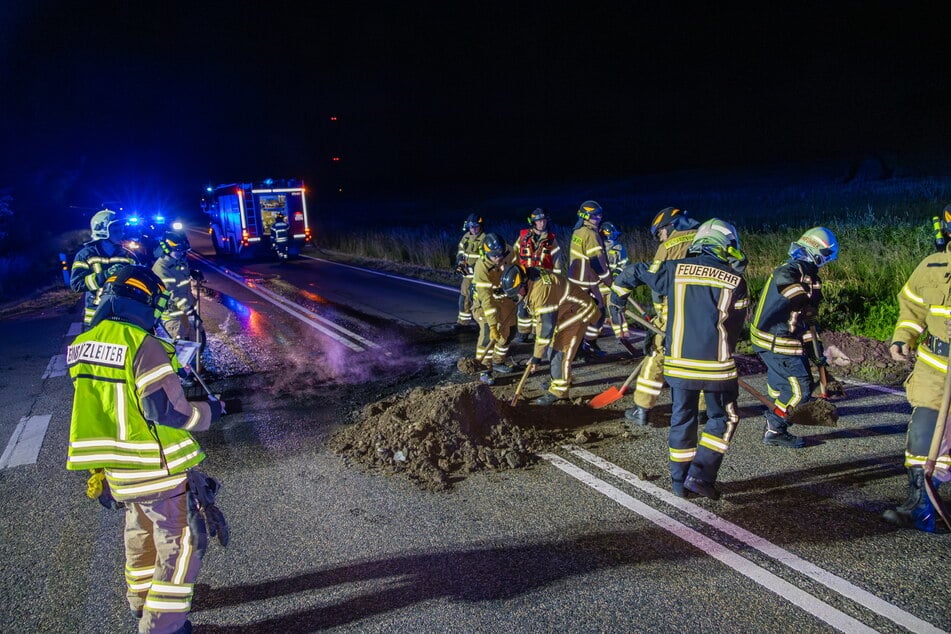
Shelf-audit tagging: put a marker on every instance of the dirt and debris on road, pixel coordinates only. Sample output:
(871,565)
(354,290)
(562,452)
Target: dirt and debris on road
(435,436)
(864,359)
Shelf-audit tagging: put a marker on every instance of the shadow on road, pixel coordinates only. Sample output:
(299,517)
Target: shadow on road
(483,574)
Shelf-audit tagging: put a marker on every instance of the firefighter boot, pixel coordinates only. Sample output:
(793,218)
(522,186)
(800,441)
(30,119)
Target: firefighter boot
(547,399)
(591,351)
(916,511)
(486,377)
(776,435)
(702,488)
(637,416)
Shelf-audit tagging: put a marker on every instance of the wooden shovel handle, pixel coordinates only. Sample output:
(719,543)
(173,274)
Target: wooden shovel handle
(521,383)
(762,399)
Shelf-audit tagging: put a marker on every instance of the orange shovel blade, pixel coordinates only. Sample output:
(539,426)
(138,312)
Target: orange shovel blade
(606,397)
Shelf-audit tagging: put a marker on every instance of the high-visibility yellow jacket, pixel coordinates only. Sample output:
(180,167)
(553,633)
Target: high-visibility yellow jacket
(924,303)
(130,416)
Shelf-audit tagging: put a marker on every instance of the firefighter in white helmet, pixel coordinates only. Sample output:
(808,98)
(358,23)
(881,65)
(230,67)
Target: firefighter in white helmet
(782,330)
(102,256)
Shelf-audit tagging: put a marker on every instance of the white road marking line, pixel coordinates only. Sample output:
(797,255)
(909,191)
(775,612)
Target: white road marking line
(878,388)
(442,287)
(826,578)
(75,328)
(297,311)
(24,445)
(818,608)
(56,367)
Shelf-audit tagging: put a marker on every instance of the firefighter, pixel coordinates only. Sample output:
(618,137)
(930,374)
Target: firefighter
(561,312)
(536,247)
(617,252)
(102,256)
(782,330)
(675,232)
(924,305)
(280,236)
(492,310)
(131,426)
(588,268)
(467,254)
(705,317)
(180,318)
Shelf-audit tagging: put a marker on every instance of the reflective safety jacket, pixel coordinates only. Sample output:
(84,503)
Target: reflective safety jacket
(90,265)
(778,325)
(175,275)
(130,416)
(540,250)
(557,306)
(588,262)
(487,288)
(617,257)
(673,248)
(707,304)
(469,252)
(923,304)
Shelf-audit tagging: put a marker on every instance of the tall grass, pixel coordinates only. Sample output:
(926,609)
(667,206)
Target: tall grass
(883,229)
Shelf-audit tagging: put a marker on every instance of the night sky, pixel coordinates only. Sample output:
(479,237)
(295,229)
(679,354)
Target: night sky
(131,100)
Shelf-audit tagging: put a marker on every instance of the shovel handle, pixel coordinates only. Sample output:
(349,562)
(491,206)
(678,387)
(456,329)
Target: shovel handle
(521,383)
(630,379)
(762,399)
(936,439)
(823,377)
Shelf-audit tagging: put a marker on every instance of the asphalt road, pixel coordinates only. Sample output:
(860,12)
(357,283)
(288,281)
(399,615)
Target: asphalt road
(587,539)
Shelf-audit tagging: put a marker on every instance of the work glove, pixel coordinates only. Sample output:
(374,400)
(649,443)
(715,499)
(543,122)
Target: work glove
(809,314)
(494,333)
(205,490)
(648,344)
(197,525)
(898,351)
(217,408)
(97,488)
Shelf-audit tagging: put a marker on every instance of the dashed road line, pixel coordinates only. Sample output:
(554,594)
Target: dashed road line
(783,556)
(24,445)
(56,367)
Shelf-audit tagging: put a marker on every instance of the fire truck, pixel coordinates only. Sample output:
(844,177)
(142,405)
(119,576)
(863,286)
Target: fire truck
(242,215)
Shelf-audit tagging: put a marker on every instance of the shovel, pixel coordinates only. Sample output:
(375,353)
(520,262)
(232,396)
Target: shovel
(823,375)
(936,439)
(613,394)
(518,389)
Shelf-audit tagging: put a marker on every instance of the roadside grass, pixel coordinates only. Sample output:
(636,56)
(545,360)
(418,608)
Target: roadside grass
(883,228)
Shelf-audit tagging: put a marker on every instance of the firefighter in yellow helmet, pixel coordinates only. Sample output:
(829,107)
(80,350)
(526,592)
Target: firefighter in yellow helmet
(561,312)
(132,426)
(924,311)
(675,231)
(180,318)
(102,256)
(467,254)
(588,268)
(492,310)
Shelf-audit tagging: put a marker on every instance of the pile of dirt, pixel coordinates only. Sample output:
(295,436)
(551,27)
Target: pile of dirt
(437,436)
(863,358)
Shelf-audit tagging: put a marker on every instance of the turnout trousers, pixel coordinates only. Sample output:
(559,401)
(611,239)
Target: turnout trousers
(789,383)
(688,456)
(465,301)
(161,563)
